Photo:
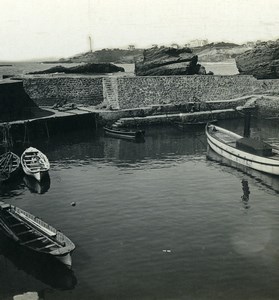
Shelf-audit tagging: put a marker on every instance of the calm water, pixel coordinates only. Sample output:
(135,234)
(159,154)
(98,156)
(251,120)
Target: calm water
(156,220)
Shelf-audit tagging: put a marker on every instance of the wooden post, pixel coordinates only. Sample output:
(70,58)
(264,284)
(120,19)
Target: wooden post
(247,121)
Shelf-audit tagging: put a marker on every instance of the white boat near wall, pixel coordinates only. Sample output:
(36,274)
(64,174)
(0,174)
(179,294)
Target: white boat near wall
(34,163)
(235,147)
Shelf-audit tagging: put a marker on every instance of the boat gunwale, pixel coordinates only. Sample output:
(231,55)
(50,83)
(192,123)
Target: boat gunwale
(136,136)
(269,161)
(123,132)
(14,160)
(62,242)
(38,169)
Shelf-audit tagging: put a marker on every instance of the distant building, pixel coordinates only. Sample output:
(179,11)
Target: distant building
(197,43)
(131,47)
(174,45)
(250,44)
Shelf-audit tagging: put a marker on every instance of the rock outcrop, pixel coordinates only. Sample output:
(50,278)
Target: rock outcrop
(219,52)
(262,61)
(165,61)
(99,68)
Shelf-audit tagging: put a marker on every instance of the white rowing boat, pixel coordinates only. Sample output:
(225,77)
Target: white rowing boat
(34,163)
(248,152)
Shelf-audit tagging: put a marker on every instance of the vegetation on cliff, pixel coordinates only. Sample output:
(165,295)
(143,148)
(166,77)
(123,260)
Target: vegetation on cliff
(213,52)
(120,56)
(217,52)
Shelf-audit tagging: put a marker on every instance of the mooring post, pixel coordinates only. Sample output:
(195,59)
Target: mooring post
(247,121)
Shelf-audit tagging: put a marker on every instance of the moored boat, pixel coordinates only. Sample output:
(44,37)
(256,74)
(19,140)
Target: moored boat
(33,233)
(137,135)
(9,165)
(34,163)
(245,151)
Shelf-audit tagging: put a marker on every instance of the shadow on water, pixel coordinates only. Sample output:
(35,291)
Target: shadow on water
(45,269)
(267,181)
(12,187)
(16,186)
(35,186)
(246,193)
(81,148)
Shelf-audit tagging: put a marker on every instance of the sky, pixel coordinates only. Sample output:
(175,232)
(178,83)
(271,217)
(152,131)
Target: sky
(31,29)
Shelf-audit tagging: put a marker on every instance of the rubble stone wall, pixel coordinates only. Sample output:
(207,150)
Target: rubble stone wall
(137,91)
(145,91)
(49,90)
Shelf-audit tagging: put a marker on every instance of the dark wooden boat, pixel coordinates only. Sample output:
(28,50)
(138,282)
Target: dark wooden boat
(34,234)
(194,124)
(137,135)
(9,165)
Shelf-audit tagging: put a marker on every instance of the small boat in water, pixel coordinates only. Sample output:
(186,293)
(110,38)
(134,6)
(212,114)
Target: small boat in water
(33,233)
(137,135)
(245,151)
(34,163)
(9,165)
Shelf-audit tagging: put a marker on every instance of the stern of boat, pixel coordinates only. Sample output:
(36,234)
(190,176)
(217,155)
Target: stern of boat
(66,259)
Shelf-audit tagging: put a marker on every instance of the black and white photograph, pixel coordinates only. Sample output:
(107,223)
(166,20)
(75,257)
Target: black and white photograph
(139,150)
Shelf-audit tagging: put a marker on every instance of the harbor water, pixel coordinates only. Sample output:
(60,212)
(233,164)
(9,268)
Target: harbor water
(153,220)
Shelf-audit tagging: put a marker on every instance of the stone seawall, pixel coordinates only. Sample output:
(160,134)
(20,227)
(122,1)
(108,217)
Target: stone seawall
(49,90)
(136,92)
(145,91)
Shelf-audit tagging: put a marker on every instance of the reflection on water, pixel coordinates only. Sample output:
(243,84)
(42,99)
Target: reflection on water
(246,193)
(18,264)
(12,188)
(35,186)
(271,182)
(135,200)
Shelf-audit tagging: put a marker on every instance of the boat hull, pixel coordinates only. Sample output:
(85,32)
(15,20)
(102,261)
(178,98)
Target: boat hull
(34,163)
(127,135)
(65,259)
(9,166)
(38,175)
(34,234)
(246,159)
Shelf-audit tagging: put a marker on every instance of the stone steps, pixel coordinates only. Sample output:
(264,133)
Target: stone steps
(110,92)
